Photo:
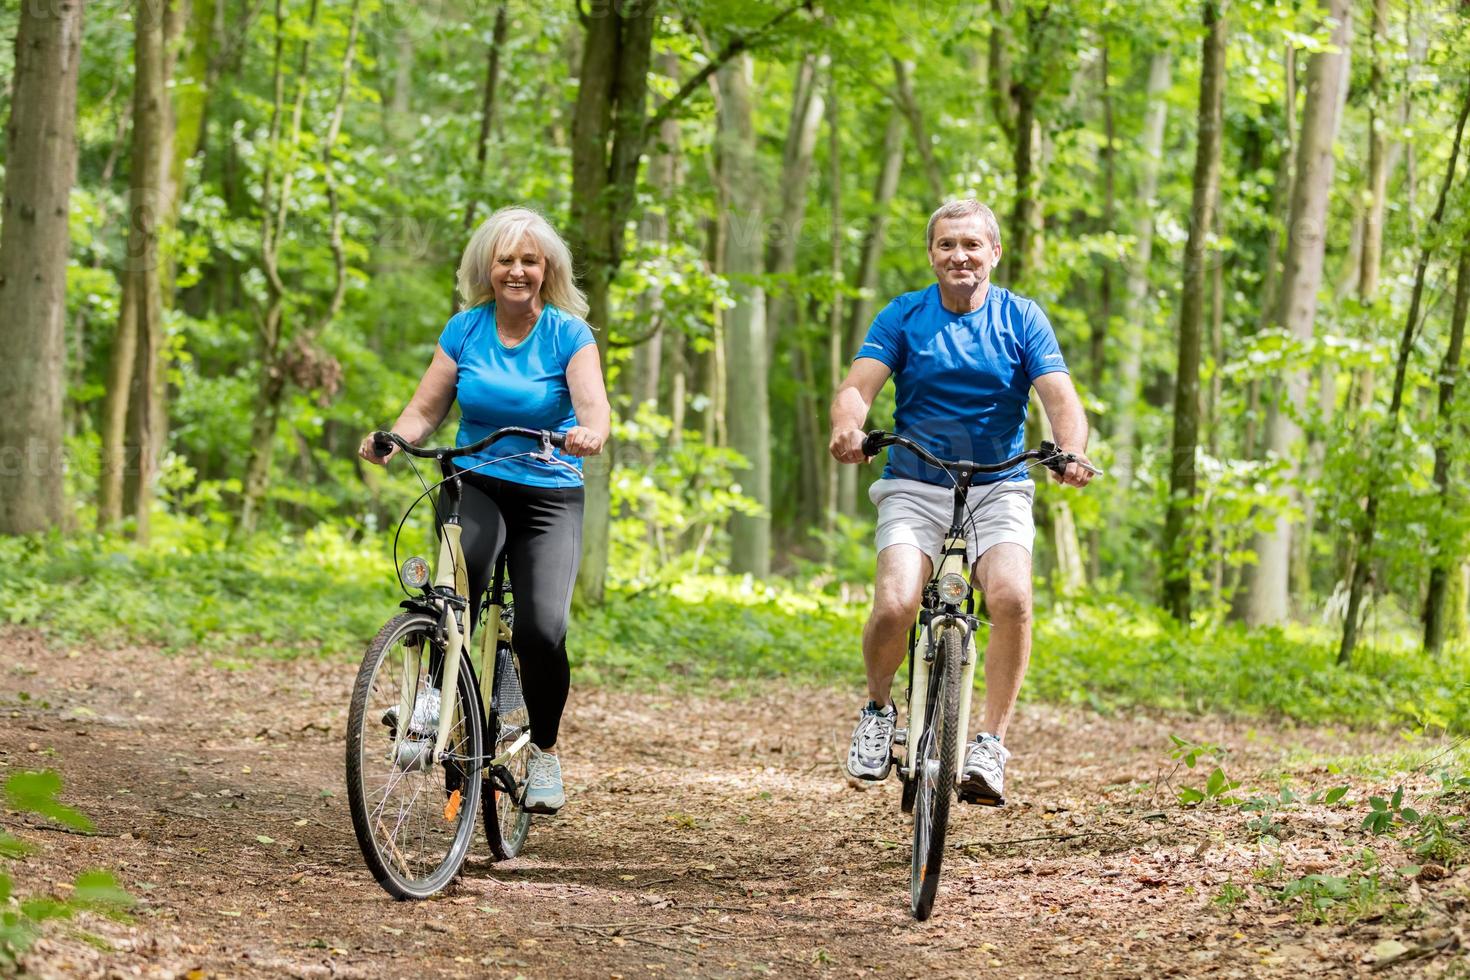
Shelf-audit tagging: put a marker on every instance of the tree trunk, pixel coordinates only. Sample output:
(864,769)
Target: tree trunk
(746,346)
(890,164)
(1179,525)
(904,90)
(663,179)
(1137,312)
(40,167)
(1097,362)
(807,110)
(607,139)
(1445,561)
(1306,241)
(831,501)
(1368,527)
(488,106)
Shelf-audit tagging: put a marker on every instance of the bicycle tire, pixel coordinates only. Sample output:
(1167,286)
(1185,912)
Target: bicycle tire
(936,758)
(441,824)
(506,824)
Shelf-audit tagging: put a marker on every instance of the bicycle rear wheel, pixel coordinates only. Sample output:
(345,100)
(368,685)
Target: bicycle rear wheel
(414,819)
(934,772)
(506,823)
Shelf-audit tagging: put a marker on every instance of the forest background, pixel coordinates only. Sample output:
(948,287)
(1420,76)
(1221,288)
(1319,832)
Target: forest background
(1247,222)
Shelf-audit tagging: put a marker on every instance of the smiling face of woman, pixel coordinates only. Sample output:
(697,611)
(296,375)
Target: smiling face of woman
(516,273)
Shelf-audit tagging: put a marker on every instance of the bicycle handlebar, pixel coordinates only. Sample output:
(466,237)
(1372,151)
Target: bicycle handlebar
(1046,453)
(383,443)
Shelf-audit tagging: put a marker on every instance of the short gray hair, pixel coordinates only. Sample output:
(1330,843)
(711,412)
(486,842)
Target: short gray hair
(963,208)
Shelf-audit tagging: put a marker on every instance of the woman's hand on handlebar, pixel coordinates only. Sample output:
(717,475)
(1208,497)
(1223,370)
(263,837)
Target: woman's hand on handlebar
(846,446)
(582,441)
(370,453)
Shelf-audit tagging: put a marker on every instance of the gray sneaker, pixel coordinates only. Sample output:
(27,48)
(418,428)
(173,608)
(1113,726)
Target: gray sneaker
(544,793)
(870,755)
(984,776)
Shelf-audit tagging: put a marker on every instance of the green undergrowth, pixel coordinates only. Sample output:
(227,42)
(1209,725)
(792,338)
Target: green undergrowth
(327,593)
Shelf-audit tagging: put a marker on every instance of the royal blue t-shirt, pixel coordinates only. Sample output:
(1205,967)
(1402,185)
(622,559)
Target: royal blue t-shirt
(963,379)
(524,385)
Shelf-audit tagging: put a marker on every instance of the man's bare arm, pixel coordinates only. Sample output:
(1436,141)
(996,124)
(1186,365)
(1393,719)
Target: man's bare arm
(850,408)
(1068,421)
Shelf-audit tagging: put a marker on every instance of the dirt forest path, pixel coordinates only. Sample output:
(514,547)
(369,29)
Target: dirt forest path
(712,836)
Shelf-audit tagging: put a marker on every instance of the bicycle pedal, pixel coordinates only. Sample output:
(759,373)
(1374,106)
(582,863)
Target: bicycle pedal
(980,799)
(900,736)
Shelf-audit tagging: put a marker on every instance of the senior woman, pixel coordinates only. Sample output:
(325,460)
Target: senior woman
(520,354)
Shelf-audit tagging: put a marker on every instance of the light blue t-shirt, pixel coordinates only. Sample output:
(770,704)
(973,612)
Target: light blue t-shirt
(963,380)
(524,385)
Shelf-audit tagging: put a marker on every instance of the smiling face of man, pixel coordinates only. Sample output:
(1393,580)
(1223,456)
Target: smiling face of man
(962,253)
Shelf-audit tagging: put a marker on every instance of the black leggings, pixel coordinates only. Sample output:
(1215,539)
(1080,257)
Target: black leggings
(540,529)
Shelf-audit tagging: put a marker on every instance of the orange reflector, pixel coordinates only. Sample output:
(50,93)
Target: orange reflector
(451,806)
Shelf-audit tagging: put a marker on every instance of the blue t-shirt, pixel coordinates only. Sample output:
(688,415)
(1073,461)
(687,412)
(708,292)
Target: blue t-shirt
(524,385)
(963,380)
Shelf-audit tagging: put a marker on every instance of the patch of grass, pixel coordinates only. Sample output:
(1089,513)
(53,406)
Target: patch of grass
(1341,899)
(327,592)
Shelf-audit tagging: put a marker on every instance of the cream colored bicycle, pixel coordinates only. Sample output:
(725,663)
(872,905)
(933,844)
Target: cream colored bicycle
(942,670)
(419,772)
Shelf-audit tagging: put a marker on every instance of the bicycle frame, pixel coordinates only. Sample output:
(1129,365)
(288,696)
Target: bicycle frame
(923,645)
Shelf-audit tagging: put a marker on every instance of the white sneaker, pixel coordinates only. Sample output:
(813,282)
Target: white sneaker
(544,792)
(870,755)
(984,776)
(424,722)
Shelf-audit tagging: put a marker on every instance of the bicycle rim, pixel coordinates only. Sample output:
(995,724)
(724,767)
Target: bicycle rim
(506,824)
(934,775)
(414,822)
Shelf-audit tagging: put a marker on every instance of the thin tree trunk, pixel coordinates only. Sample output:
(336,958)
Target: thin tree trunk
(1368,527)
(832,497)
(40,167)
(746,345)
(890,157)
(1137,311)
(904,90)
(1444,561)
(1268,601)
(488,106)
(1179,525)
(1097,362)
(796,164)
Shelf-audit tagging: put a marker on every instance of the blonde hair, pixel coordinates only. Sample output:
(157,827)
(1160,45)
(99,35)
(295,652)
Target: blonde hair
(500,233)
(964,208)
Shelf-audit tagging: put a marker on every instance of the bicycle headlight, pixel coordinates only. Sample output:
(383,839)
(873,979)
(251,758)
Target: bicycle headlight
(415,573)
(952,588)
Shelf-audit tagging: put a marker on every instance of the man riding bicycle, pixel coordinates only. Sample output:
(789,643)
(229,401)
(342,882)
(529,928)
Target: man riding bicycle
(964,355)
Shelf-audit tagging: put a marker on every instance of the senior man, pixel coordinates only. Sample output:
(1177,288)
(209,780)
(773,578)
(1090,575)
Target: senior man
(964,355)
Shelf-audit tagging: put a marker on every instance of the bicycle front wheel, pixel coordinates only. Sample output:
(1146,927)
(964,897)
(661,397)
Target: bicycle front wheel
(506,823)
(414,818)
(934,772)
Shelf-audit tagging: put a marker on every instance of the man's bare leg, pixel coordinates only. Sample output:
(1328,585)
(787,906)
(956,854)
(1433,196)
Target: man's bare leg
(897,589)
(1004,573)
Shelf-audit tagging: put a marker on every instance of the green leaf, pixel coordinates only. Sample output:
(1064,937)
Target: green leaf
(35,792)
(1190,797)
(41,909)
(99,889)
(1334,794)
(1409,815)
(12,847)
(1410,870)
(1378,803)
(1398,798)
(1216,783)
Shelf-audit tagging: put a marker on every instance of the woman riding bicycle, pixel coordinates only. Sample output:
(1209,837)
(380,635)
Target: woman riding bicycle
(520,354)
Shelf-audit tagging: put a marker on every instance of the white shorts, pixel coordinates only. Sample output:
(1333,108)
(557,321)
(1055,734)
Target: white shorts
(918,514)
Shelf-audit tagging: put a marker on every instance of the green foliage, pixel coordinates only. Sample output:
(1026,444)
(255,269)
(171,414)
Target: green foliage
(96,891)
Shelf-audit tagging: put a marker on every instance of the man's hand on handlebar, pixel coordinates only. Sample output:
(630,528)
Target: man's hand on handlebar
(1077,474)
(369,452)
(582,441)
(847,446)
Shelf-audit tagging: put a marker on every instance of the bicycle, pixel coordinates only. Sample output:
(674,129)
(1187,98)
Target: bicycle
(418,773)
(942,671)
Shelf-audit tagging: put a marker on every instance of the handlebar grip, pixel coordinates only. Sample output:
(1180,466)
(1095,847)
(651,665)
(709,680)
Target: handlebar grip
(382,445)
(872,443)
(558,439)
